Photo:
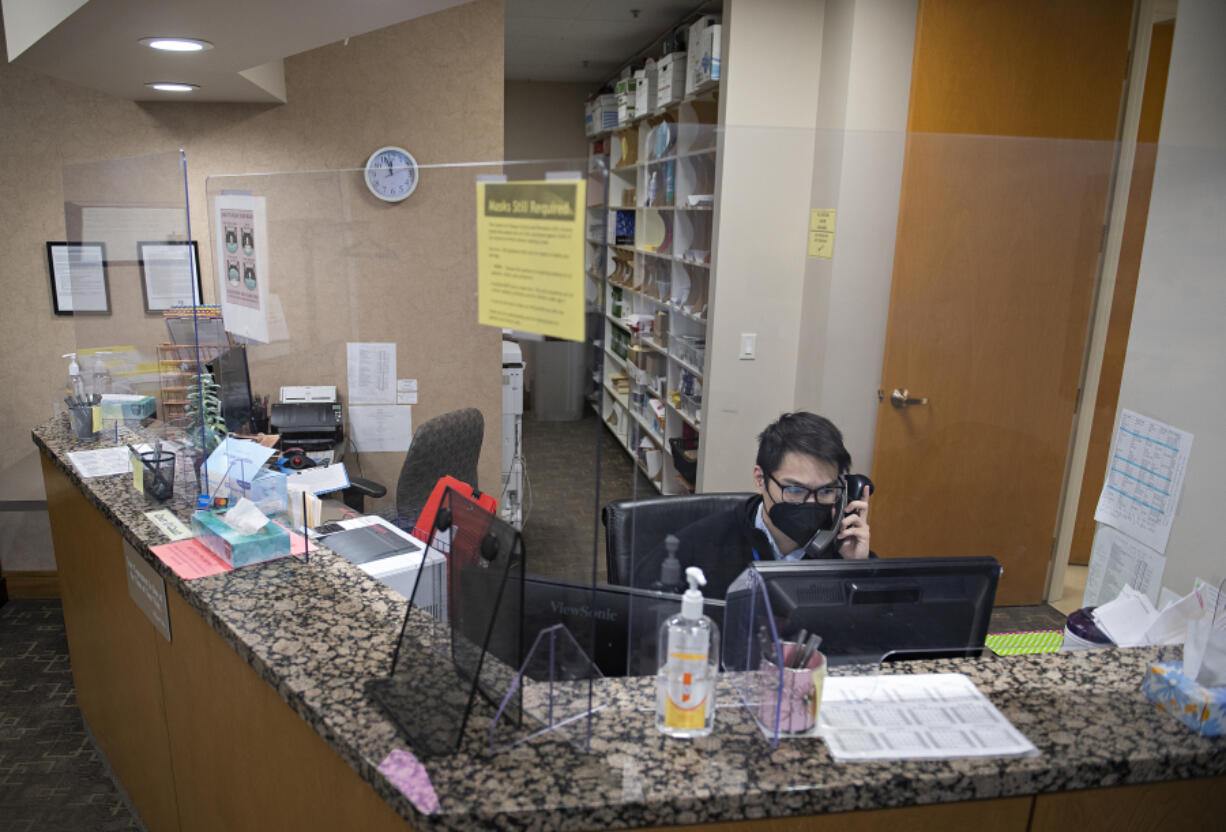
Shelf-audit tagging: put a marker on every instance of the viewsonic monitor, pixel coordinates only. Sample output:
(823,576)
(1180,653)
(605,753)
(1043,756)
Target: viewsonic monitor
(867,609)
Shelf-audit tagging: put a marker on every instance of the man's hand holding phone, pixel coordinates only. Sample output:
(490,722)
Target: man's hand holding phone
(854,534)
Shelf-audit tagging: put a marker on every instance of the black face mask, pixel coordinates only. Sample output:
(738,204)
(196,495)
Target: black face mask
(801,521)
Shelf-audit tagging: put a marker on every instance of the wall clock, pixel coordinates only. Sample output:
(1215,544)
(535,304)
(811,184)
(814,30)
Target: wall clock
(391,173)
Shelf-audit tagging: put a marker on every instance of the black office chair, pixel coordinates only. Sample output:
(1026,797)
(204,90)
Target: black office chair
(447,445)
(635,527)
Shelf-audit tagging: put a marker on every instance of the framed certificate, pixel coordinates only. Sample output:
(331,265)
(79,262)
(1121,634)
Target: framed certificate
(78,278)
(170,274)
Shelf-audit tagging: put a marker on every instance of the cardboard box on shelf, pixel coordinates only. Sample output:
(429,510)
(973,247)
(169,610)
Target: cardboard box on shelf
(703,51)
(670,78)
(600,114)
(625,91)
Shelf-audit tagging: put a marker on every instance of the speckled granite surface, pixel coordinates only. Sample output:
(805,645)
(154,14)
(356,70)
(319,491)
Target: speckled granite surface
(317,631)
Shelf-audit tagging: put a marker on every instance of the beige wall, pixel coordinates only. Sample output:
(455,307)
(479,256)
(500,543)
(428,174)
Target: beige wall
(544,120)
(768,106)
(433,85)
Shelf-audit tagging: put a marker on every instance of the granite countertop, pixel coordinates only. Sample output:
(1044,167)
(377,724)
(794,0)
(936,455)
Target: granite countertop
(317,630)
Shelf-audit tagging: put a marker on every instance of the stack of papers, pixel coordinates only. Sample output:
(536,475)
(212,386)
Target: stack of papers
(929,716)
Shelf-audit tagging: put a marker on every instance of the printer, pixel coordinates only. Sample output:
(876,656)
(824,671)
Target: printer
(313,426)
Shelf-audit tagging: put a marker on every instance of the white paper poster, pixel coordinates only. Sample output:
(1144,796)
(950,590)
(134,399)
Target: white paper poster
(80,278)
(170,275)
(372,372)
(1115,560)
(381,427)
(1144,477)
(240,228)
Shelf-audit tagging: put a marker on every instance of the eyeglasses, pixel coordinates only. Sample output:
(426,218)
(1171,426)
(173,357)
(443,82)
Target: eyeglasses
(826,495)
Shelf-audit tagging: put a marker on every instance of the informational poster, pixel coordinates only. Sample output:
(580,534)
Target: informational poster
(371,368)
(78,275)
(381,427)
(170,274)
(1144,477)
(241,229)
(1116,560)
(530,256)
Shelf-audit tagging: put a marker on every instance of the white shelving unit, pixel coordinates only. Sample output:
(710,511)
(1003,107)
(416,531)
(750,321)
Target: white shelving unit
(649,266)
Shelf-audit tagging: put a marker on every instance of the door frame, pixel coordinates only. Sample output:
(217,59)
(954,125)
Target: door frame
(1143,13)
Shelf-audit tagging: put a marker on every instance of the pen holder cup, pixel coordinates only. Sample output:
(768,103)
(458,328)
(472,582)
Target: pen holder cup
(158,477)
(82,421)
(802,693)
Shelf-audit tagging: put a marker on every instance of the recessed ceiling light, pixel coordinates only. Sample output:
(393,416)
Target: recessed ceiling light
(169,86)
(176,44)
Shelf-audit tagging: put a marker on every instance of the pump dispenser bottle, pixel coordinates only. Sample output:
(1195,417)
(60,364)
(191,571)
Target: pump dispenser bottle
(75,387)
(689,656)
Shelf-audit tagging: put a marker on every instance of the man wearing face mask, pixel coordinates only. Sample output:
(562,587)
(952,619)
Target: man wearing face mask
(800,479)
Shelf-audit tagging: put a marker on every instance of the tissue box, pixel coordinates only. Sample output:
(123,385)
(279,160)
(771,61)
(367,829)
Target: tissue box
(125,408)
(1201,709)
(269,543)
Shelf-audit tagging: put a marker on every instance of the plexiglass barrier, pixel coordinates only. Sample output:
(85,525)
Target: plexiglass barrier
(697,299)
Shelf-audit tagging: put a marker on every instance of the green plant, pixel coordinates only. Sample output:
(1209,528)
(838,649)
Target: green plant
(203,411)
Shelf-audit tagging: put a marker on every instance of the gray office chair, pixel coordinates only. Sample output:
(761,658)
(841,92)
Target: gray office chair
(447,445)
(634,527)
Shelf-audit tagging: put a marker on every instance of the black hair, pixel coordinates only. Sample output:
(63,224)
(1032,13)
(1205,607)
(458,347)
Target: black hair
(804,433)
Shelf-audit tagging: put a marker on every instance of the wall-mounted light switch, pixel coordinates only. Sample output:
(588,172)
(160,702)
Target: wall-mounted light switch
(749,346)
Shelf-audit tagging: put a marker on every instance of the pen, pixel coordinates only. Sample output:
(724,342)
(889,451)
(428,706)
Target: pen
(800,641)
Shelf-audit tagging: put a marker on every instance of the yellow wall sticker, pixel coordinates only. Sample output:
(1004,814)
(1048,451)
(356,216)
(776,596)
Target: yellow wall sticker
(530,256)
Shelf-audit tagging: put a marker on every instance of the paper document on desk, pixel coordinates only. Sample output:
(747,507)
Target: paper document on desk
(321,479)
(101,463)
(928,716)
(1144,477)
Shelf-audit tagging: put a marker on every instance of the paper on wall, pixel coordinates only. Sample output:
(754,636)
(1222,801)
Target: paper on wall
(240,232)
(1117,560)
(1144,477)
(381,427)
(372,372)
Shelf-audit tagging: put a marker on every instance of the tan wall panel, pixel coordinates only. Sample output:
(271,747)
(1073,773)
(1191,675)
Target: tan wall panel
(243,759)
(114,652)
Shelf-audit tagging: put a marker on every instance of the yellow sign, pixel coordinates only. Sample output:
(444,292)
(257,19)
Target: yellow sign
(821,244)
(530,256)
(822,219)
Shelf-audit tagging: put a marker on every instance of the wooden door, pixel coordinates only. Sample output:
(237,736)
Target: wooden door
(1013,116)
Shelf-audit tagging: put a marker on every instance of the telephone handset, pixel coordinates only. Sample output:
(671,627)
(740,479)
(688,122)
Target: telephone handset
(825,543)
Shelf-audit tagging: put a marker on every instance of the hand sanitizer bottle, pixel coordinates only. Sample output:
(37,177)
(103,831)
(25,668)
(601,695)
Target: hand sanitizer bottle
(670,569)
(689,652)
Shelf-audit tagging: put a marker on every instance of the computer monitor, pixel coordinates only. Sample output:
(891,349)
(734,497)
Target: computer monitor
(865,609)
(231,374)
(627,620)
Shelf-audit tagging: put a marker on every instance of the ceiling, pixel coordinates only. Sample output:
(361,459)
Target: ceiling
(585,40)
(94,43)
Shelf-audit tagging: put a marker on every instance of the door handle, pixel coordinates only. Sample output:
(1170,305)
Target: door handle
(901,397)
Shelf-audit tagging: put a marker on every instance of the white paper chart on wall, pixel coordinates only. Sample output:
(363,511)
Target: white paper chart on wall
(1144,477)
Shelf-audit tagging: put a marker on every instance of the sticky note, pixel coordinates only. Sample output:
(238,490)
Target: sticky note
(822,219)
(821,244)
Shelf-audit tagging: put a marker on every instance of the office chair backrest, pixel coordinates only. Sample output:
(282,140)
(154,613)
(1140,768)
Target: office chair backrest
(447,445)
(634,527)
